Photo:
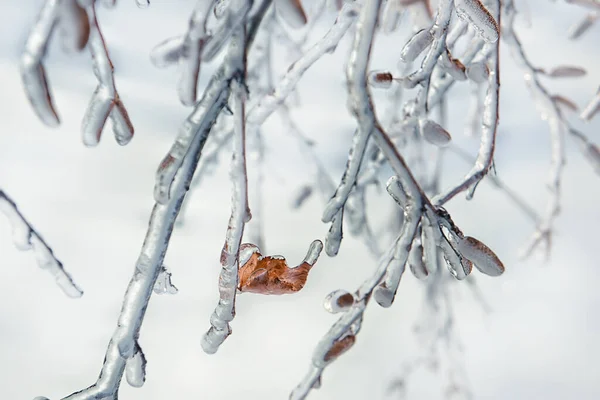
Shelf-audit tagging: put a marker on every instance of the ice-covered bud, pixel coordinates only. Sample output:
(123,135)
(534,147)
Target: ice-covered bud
(478,72)
(434,133)
(339,347)
(582,26)
(566,71)
(485,260)
(391,17)
(291,12)
(380,79)
(479,17)
(565,103)
(142,3)
(338,301)
(416,45)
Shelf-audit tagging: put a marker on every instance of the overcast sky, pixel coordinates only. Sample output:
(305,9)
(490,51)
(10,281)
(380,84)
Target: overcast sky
(92,206)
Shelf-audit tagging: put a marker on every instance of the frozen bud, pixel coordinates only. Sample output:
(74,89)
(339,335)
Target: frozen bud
(565,103)
(479,17)
(291,12)
(333,239)
(394,188)
(484,259)
(379,79)
(416,45)
(339,347)
(592,152)
(478,72)
(338,301)
(566,71)
(434,133)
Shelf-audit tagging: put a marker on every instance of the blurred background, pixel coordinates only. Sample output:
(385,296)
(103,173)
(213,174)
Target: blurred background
(535,338)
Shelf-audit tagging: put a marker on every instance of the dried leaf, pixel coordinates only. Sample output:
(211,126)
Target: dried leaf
(271,274)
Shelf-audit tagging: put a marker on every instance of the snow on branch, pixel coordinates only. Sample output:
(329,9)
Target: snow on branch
(25,237)
(78,26)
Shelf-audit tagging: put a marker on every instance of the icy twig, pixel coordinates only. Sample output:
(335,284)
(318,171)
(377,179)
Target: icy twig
(549,107)
(269,103)
(25,237)
(489,125)
(240,214)
(105,101)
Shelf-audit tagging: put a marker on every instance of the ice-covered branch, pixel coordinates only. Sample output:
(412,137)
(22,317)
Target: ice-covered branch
(240,213)
(123,351)
(105,101)
(78,26)
(25,237)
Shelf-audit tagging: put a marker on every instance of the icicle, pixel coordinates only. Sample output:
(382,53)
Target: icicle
(416,45)
(484,259)
(479,17)
(135,368)
(592,108)
(163,284)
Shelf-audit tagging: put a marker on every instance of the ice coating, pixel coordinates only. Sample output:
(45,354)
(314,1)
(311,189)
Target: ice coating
(163,283)
(479,17)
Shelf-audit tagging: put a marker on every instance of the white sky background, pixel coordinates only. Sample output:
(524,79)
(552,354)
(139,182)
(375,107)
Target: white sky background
(92,207)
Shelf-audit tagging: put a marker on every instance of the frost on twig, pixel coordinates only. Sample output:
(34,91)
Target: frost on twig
(78,27)
(25,237)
